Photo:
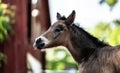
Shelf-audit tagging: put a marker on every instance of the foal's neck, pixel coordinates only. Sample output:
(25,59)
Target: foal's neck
(82,44)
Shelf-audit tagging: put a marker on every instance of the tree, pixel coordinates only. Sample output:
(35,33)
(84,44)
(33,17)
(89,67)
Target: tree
(110,3)
(108,32)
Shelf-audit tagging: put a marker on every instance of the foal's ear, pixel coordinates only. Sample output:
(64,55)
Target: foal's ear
(70,18)
(58,16)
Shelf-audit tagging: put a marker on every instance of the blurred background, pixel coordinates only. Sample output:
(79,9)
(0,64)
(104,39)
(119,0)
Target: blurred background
(21,21)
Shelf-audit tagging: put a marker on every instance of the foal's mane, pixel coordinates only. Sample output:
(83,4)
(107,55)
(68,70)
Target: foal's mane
(80,31)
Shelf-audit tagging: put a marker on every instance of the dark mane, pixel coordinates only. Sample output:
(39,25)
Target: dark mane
(80,31)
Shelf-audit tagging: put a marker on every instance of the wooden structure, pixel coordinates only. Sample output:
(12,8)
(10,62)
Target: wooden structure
(19,44)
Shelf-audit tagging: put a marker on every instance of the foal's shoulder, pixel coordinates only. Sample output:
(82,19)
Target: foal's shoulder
(110,55)
(111,49)
(116,53)
(116,50)
(110,52)
(116,58)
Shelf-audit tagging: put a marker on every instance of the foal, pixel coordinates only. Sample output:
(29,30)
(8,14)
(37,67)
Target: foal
(92,55)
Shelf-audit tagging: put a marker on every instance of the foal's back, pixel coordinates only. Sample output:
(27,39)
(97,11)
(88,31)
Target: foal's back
(103,60)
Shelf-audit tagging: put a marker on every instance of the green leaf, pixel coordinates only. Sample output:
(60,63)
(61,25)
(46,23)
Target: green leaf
(111,2)
(1,37)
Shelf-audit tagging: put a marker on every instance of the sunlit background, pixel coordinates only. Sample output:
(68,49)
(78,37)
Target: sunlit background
(88,12)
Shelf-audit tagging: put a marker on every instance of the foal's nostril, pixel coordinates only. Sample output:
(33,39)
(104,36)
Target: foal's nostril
(39,43)
(38,40)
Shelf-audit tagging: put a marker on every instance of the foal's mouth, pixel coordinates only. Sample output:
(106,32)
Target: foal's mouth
(42,47)
(40,43)
(39,46)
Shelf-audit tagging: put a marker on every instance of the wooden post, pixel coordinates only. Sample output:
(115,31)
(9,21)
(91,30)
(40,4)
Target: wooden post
(44,15)
(15,48)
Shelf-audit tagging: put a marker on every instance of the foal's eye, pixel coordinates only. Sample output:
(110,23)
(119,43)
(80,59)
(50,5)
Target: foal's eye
(59,28)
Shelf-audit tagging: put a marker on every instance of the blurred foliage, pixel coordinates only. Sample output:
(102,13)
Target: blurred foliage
(59,59)
(2,59)
(7,17)
(108,32)
(110,3)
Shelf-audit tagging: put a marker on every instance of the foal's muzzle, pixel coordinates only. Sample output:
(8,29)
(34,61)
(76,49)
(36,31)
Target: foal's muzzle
(39,43)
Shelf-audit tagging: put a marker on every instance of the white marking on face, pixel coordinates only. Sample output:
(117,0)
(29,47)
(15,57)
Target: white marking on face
(44,39)
(34,45)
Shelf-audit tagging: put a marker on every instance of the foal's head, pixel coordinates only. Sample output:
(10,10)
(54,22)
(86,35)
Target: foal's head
(58,34)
